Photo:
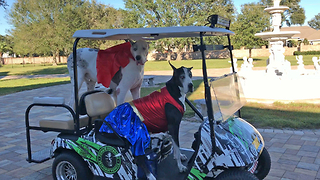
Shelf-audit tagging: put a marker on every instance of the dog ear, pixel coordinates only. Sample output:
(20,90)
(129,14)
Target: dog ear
(174,68)
(131,42)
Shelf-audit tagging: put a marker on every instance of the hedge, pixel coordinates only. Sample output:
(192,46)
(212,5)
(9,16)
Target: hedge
(306,53)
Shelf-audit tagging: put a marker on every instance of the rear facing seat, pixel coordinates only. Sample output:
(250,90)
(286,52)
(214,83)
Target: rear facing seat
(93,105)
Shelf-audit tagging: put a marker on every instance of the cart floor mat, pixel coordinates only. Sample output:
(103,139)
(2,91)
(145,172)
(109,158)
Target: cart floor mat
(168,168)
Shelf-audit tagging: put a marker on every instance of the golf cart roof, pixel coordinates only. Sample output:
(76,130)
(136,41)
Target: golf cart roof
(151,33)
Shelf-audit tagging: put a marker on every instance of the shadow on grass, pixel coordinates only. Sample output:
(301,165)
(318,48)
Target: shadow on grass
(4,73)
(282,119)
(9,90)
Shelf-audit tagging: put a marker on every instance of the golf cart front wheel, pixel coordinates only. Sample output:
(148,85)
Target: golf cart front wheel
(236,174)
(69,166)
(264,165)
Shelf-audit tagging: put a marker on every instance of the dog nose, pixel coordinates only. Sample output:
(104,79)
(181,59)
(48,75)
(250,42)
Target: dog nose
(190,86)
(138,57)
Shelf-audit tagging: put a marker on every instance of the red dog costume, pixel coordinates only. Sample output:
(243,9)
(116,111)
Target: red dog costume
(152,109)
(109,62)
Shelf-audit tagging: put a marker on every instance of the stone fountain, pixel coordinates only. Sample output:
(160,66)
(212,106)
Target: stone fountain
(278,82)
(277,63)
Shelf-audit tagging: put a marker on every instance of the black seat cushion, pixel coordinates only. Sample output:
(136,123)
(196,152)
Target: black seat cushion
(112,139)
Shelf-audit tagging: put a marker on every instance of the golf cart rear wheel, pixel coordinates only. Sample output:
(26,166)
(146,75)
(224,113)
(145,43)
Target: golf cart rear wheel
(70,166)
(264,164)
(236,174)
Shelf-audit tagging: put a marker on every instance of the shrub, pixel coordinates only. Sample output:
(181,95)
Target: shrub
(305,41)
(292,43)
(306,53)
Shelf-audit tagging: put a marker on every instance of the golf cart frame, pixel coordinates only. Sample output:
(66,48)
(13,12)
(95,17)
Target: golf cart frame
(197,169)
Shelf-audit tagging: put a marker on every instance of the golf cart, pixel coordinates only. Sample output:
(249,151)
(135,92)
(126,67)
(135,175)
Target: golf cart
(225,146)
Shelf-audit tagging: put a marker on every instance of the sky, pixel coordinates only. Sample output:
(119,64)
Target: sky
(311,8)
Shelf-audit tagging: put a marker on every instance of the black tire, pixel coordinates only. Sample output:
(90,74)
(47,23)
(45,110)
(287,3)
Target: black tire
(70,166)
(264,165)
(236,174)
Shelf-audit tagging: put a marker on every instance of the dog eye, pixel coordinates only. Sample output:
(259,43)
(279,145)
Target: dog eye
(144,48)
(135,49)
(182,77)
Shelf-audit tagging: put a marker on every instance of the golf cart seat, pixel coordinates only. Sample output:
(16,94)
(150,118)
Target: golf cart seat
(96,104)
(93,105)
(63,121)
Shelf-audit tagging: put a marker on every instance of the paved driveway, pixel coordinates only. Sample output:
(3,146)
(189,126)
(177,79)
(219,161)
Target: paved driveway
(294,154)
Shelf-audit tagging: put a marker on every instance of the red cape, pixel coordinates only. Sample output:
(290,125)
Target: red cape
(109,61)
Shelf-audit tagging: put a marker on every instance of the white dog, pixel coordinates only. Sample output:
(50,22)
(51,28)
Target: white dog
(121,75)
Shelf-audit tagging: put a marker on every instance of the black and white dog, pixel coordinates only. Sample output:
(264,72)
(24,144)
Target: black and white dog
(158,112)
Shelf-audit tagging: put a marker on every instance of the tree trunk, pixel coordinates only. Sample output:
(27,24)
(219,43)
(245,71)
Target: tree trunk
(1,60)
(59,58)
(169,55)
(179,55)
(250,52)
(54,63)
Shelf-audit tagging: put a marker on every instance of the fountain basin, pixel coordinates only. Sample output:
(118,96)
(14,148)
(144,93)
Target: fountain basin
(276,36)
(279,9)
(292,87)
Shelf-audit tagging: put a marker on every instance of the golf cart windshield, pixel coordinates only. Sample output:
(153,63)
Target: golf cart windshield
(227,96)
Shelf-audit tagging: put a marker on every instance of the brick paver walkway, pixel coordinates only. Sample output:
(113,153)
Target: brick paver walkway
(295,154)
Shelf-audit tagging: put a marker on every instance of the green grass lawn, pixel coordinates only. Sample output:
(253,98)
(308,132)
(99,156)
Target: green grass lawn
(17,85)
(281,115)
(196,64)
(31,69)
(261,61)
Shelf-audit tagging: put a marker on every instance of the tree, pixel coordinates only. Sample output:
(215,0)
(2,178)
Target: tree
(157,13)
(3,3)
(3,48)
(6,45)
(36,25)
(250,21)
(294,15)
(46,27)
(315,22)
(3,45)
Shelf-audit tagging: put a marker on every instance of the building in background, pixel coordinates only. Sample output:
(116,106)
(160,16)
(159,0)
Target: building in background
(306,32)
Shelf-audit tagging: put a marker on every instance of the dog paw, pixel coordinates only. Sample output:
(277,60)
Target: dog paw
(183,157)
(182,169)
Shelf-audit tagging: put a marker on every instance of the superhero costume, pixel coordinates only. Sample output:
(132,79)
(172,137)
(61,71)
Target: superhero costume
(152,109)
(133,120)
